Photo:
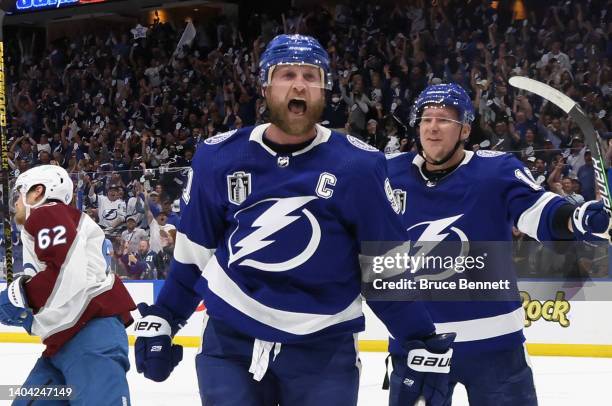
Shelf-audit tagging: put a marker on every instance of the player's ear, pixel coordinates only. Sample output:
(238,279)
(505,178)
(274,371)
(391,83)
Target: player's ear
(38,192)
(465,131)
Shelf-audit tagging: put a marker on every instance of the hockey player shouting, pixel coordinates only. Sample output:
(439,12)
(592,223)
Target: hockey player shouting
(270,239)
(65,295)
(475,197)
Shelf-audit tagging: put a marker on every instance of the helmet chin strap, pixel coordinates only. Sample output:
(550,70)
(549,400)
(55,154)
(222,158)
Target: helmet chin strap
(446,158)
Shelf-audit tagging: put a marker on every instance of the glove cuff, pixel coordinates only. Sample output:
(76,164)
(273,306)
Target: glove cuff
(422,360)
(16,294)
(152,326)
(158,321)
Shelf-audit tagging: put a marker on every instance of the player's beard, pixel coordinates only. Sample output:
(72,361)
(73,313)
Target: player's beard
(297,125)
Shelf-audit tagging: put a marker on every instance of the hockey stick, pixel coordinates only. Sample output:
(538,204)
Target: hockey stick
(576,113)
(8,241)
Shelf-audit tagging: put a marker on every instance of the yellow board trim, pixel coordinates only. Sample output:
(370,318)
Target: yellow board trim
(18,338)
(556,350)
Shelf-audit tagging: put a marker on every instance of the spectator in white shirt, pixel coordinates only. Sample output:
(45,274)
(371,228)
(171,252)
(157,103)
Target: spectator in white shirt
(159,229)
(555,53)
(133,235)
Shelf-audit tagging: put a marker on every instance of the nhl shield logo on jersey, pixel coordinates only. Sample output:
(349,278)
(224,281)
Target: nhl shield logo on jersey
(282,161)
(238,187)
(400,198)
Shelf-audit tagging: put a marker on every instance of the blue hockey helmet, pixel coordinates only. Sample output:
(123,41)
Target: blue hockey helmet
(294,50)
(447,94)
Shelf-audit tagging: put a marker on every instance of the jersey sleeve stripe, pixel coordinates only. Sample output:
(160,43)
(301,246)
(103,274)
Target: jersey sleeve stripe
(529,220)
(483,328)
(189,252)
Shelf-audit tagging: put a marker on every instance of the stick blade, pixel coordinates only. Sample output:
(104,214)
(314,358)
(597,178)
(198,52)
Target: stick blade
(564,102)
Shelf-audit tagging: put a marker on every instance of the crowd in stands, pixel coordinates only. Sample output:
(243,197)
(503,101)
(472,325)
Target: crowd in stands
(124,116)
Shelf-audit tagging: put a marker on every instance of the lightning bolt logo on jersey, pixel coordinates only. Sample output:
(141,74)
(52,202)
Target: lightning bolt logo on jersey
(278,230)
(110,211)
(274,249)
(110,214)
(429,234)
(478,202)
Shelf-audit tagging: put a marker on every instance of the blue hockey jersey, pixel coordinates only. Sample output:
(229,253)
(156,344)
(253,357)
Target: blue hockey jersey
(479,201)
(271,242)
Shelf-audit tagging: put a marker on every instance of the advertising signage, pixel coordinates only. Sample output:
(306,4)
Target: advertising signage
(36,5)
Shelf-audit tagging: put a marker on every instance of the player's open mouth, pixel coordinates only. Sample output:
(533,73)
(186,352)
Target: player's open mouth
(297,106)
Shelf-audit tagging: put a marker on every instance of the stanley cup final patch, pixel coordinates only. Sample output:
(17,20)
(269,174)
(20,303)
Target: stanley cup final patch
(400,198)
(238,187)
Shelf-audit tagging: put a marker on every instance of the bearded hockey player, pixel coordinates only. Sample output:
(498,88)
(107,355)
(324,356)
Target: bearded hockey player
(474,197)
(65,296)
(270,239)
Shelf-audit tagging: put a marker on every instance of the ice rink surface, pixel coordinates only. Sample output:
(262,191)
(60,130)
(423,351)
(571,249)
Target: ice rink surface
(560,381)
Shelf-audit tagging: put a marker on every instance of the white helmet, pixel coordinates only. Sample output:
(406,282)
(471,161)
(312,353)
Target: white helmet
(55,179)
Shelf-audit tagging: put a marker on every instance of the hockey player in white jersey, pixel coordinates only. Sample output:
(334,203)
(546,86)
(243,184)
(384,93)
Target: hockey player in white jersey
(453,194)
(65,295)
(270,239)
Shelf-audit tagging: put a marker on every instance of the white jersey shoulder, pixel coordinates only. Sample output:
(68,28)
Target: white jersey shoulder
(219,138)
(485,153)
(360,144)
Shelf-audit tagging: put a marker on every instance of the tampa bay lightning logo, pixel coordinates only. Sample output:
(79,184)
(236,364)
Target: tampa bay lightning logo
(274,235)
(432,234)
(110,214)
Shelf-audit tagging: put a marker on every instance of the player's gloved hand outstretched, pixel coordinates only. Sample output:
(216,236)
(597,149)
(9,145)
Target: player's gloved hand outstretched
(156,356)
(588,219)
(14,309)
(424,373)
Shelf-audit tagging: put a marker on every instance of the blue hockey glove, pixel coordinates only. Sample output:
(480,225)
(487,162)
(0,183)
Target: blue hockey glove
(423,375)
(588,219)
(14,309)
(155,354)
